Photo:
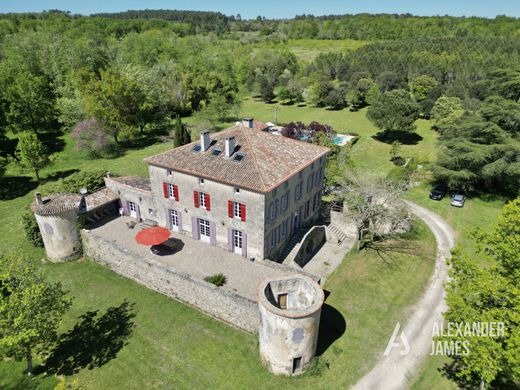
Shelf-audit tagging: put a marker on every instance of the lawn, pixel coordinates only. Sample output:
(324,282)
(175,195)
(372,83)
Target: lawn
(171,345)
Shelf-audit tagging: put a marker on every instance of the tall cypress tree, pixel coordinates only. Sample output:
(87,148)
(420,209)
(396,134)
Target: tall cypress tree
(181,134)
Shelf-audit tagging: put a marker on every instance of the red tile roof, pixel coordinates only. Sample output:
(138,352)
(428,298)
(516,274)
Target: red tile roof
(269,159)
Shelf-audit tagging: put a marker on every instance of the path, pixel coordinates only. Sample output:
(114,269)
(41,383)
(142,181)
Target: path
(395,370)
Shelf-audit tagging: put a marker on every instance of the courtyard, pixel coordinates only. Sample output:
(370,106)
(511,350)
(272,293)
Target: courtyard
(196,258)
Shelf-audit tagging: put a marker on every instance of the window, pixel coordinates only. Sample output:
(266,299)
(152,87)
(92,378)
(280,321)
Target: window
(237,239)
(282,301)
(171,191)
(170,172)
(307,208)
(174,218)
(272,211)
(196,148)
(300,174)
(216,152)
(204,228)
(201,199)
(310,180)
(237,210)
(284,229)
(237,190)
(151,212)
(201,180)
(272,241)
(298,191)
(239,157)
(286,184)
(285,201)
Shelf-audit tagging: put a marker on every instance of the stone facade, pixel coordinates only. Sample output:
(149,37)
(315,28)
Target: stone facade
(60,234)
(290,310)
(221,304)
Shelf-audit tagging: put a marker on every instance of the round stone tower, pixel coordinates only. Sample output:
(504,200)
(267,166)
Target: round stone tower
(57,218)
(290,310)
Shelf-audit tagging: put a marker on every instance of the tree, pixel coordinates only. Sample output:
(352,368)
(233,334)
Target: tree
(319,92)
(446,110)
(181,134)
(31,154)
(31,309)
(503,112)
(374,207)
(394,111)
(3,165)
(266,88)
(90,136)
(477,294)
(293,91)
(395,150)
(476,154)
(420,86)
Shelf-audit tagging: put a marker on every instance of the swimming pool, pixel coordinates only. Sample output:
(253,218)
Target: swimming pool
(342,139)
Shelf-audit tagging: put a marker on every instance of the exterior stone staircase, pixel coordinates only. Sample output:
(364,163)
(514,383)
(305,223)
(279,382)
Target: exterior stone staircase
(337,232)
(292,247)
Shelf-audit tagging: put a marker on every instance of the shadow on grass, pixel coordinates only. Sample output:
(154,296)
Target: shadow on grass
(60,175)
(332,327)
(404,137)
(93,342)
(52,140)
(12,187)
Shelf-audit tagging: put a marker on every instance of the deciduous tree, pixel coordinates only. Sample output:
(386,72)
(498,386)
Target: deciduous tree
(394,111)
(31,310)
(31,154)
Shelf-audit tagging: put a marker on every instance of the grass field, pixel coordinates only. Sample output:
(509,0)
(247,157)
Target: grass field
(174,346)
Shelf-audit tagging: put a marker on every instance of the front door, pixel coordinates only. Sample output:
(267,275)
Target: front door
(132,208)
(237,242)
(174,220)
(204,230)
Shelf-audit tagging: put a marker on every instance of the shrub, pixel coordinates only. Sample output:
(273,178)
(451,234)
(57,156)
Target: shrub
(91,180)
(217,279)
(32,231)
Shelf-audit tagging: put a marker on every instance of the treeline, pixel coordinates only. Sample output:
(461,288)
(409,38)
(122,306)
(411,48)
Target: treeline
(383,26)
(204,21)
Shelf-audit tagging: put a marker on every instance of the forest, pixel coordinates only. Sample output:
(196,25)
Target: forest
(114,79)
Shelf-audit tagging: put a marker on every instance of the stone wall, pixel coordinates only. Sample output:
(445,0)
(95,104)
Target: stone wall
(310,244)
(215,301)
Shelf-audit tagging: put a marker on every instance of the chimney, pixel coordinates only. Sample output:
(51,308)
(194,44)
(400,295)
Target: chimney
(39,200)
(230,146)
(247,122)
(204,141)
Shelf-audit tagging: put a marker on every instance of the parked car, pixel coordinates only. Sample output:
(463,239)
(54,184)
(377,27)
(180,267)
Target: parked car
(457,199)
(438,192)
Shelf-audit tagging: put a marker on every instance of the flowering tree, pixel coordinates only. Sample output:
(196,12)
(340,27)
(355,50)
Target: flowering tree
(90,135)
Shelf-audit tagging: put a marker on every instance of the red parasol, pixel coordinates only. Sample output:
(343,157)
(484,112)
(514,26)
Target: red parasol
(152,236)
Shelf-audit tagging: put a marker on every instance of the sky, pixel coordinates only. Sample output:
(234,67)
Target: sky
(278,8)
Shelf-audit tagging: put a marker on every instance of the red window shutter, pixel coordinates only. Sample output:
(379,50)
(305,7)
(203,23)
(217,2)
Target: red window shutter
(165,189)
(230,208)
(176,193)
(196,198)
(243,212)
(208,204)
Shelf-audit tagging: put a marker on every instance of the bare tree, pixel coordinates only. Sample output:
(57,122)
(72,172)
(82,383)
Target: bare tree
(374,207)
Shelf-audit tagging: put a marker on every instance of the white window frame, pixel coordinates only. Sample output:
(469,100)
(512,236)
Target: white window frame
(237,210)
(238,239)
(237,190)
(174,218)
(171,191)
(202,199)
(204,227)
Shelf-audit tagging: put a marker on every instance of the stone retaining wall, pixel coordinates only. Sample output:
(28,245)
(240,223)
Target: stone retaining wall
(215,301)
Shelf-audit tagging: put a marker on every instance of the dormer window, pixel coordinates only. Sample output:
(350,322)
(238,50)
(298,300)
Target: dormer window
(239,157)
